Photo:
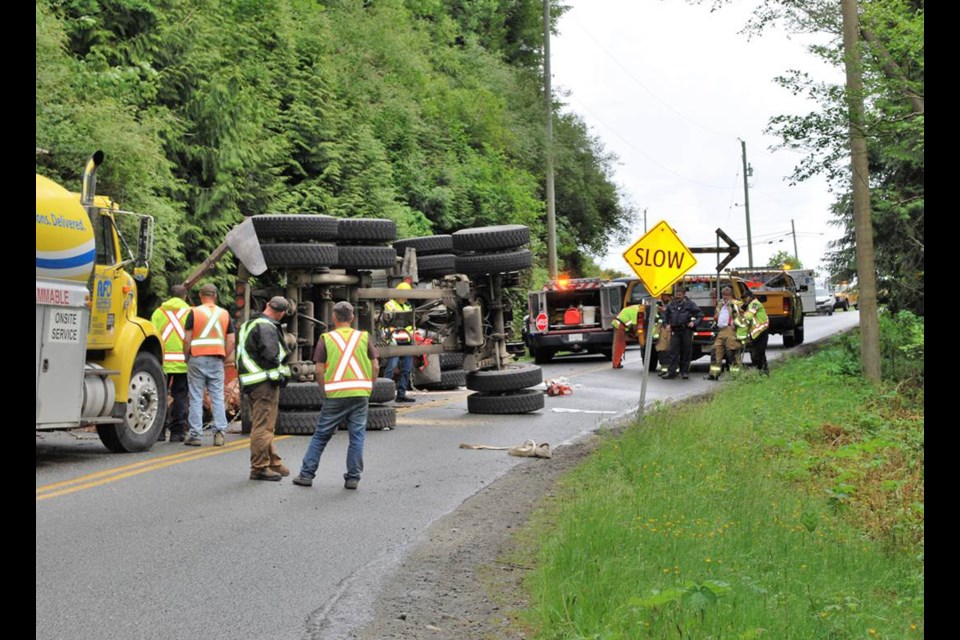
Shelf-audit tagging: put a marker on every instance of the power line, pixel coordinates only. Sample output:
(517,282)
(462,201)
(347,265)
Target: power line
(638,150)
(645,88)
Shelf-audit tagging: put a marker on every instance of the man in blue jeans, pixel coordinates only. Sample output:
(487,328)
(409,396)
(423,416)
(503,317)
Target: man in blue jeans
(208,344)
(348,360)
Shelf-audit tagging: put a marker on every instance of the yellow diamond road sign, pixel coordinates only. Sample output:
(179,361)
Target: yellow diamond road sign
(659,258)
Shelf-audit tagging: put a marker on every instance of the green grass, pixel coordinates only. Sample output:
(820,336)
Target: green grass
(784,507)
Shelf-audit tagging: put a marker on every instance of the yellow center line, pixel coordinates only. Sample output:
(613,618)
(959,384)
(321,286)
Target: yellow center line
(119,473)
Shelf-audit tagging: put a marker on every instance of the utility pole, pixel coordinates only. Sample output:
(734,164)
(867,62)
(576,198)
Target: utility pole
(548,94)
(796,254)
(746,201)
(644,219)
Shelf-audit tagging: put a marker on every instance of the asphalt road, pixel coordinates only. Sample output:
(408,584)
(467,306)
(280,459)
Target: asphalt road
(176,542)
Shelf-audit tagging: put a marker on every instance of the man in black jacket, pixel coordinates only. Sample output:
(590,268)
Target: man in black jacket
(682,316)
(262,369)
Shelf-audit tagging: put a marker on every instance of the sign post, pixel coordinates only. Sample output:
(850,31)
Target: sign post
(659,259)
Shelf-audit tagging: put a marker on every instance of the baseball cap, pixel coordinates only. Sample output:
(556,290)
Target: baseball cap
(208,290)
(278,303)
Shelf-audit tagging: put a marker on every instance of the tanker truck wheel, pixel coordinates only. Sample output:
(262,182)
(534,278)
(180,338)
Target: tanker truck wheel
(144,414)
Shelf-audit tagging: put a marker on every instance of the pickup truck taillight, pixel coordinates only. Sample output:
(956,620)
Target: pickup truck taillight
(786,305)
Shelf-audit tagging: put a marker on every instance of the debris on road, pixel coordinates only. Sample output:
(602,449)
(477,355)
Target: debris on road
(529,449)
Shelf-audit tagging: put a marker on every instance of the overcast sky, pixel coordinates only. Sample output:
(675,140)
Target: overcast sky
(670,89)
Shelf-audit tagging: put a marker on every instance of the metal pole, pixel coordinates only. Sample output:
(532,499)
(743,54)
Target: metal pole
(796,254)
(548,96)
(644,219)
(746,203)
(648,348)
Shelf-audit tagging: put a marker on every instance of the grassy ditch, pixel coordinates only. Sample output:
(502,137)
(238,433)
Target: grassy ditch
(784,507)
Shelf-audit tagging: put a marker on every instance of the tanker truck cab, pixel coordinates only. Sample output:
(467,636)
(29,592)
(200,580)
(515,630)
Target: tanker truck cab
(109,372)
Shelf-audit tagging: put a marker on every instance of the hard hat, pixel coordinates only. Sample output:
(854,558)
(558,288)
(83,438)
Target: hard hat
(404,285)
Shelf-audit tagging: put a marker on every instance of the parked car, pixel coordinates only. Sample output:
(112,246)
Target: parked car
(826,304)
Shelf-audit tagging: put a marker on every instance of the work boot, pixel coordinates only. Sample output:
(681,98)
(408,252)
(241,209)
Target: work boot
(351,483)
(163,435)
(281,469)
(192,441)
(684,376)
(264,474)
(303,481)
(177,437)
(218,439)
(405,399)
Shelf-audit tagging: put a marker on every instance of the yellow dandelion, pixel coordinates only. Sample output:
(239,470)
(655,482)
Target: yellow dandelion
(709,560)
(872,632)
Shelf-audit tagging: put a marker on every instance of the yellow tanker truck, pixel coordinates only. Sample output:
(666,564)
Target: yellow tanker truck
(97,362)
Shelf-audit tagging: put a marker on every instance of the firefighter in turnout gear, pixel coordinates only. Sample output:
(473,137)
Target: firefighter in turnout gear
(625,321)
(756,321)
(169,319)
(348,360)
(726,345)
(400,336)
(262,368)
(661,331)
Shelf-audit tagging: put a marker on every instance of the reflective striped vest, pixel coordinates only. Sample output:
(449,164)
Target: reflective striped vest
(627,317)
(252,373)
(392,306)
(756,317)
(349,372)
(209,331)
(169,320)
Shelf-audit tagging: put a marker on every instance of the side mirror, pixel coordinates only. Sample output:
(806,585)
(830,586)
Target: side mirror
(804,287)
(144,248)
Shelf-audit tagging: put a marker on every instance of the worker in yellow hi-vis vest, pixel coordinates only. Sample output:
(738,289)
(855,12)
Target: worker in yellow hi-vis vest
(169,319)
(348,360)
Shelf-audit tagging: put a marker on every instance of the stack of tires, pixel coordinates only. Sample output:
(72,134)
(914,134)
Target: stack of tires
(313,241)
(300,404)
(496,249)
(505,391)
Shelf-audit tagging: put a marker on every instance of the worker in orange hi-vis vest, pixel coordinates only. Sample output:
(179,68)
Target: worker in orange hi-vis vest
(208,344)
(348,360)
(169,319)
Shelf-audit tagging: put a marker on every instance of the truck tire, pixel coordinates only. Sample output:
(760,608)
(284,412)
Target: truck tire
(366,230)
(510,378)
(798,334)
(425,246)
(301,395)
(384,390)
(366,258)
(494,238)
(296,423)
(483,263)
(145,412)
(246,415)
(436,266)
(300,255)
(654,360)
(450,360)
(293,227)
(522,401)
(789,341)
(380,417)
(450,379)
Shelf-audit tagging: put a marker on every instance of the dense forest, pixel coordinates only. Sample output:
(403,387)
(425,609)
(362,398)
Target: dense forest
(428,112)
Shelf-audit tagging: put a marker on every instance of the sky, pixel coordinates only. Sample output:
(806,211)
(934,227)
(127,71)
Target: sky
(672,89)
